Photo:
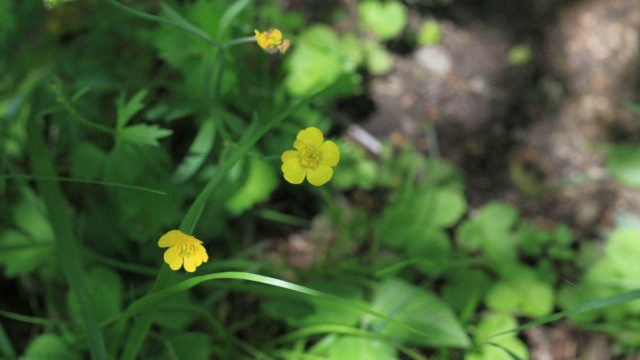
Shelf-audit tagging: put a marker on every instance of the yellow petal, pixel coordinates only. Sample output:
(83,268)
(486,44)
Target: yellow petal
(309,136)
(330,153)
(320,175)
(173,258)
(289,155)
(291,169)
(275,35)
(170,239)
(192,261)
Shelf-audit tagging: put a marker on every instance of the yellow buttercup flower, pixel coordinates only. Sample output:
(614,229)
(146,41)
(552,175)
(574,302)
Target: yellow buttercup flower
(313,158)
(271,41)
(182,250)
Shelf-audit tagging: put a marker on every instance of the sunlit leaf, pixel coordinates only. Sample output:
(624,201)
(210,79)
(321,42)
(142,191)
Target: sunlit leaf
(417,308)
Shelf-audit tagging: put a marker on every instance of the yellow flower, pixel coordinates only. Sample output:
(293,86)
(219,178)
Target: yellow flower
(182,249)
(313,158)
(271,41)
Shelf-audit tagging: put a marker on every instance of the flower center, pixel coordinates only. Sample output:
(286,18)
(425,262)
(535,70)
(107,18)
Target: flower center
(185,249)
(310,157)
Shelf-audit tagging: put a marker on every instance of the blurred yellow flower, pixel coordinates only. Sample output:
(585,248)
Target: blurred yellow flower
(313,158)
(271,41)
(182,250)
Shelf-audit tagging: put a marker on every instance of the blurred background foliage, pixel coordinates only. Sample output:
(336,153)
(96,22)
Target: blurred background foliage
(137,115)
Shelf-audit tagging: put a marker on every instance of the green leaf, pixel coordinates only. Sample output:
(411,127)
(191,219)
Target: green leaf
(430,33)
(449,208)
(464,289)
(87,161)
(259,184)
(379,61)
(198,152)
(20,254)
(192,346)
(127,110)
(297,311)
(315,63)
(50,347)
(143,134)
(522,292)
(385,19)
(623,161)
(623,252)
(417,308)
(361,348)
(106,289)
(500,347)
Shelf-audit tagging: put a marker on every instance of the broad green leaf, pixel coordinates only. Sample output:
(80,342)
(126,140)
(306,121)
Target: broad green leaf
(623,161)
(449,208)
(177,312)
(260,182)
(192,346)
(522,292)
(106,289)
(298,311)
(417,308)
(493,324)
(497,216)
(87,161)
(315,63)
(126,110)
(385,19)
(143,134)
(48,346)
(361,348)
(623,252)
(379,61)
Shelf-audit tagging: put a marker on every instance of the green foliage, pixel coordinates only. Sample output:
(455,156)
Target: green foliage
(430,33)
(385,19)
(121,123)
(420,309)
(623,161)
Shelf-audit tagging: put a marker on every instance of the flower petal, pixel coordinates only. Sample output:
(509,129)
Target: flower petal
(195,259)
(320,175)
(309,136)
(330,153)
(292,171)
(170,239)
(173,258)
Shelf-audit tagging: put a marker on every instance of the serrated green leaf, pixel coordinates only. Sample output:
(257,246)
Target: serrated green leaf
(143,134)
(126,110)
